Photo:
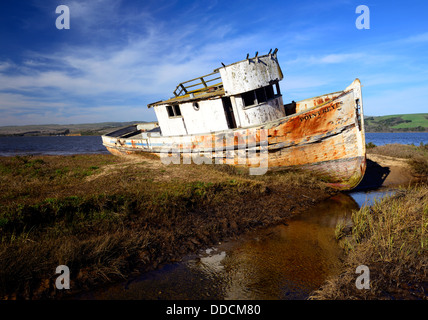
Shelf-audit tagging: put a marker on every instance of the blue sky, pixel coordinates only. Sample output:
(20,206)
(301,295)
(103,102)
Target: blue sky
(120,55)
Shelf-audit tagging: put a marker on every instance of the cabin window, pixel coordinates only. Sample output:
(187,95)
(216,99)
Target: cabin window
(170,111)
(276,90)
(173,111)
(249,98)
(269,92)
(260,95)
(196,106)
(177,110)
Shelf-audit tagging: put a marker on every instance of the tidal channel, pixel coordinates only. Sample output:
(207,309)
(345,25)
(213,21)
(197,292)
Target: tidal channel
(286,261)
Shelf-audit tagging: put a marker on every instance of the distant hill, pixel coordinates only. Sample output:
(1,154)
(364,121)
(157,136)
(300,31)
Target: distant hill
(64,129)
(394,123)
(417,122)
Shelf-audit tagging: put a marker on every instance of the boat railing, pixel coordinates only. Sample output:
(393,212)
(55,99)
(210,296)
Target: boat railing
(198,84)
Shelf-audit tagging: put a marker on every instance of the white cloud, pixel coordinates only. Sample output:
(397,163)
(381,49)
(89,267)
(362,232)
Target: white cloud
(11,102)
(151,64)
(419,38)
(344,58)
(339,58)
(145,69)
(5,65)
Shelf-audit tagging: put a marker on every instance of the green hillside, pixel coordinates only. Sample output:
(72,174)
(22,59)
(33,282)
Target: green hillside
(417,122)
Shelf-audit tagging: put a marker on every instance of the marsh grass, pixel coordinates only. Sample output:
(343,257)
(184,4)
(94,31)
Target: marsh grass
(390,237)
(419,165)
(106,217)
(342,229)
(417,156)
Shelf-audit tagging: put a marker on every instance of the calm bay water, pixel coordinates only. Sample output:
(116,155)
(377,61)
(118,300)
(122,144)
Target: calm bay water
(51,145)
(63,145)
(381,138)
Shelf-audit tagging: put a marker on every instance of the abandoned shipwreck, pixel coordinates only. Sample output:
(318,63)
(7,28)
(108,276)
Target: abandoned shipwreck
(236,115)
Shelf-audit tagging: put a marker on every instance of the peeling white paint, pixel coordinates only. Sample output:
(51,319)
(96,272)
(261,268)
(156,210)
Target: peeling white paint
(261,113)
(250,74)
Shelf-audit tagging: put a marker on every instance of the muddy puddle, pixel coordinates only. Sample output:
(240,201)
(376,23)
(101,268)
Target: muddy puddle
(287,261)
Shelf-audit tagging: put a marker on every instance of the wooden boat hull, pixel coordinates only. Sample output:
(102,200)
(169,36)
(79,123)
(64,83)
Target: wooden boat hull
(326,138)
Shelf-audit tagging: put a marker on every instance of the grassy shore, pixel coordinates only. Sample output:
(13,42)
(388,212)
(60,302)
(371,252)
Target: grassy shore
(390,238)
(108,218)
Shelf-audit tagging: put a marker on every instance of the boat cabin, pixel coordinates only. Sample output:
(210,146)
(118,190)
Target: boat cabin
(238,95)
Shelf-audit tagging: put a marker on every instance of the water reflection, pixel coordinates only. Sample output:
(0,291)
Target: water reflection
(367,198)
(286,261)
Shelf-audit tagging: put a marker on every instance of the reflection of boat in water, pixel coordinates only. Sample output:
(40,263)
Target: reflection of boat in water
(236,115)
(340,202)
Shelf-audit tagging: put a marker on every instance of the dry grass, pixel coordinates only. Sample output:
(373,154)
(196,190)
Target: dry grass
(397,150)
(417,156)
(419,165)
(390,238)
(106,217)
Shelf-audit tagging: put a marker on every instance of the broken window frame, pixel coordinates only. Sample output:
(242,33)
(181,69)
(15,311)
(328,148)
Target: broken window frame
(270,92)
(177,110)
(247,97)
(277,92)
(173,111)
(170,111)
